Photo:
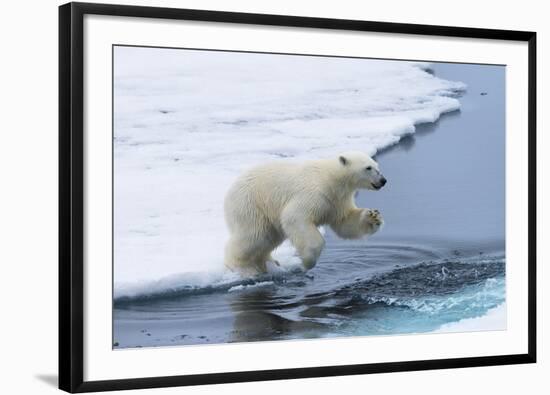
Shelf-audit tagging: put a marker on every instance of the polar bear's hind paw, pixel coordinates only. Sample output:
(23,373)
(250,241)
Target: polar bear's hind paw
(274,261)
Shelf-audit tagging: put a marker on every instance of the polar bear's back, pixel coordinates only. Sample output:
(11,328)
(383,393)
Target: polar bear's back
(265,190)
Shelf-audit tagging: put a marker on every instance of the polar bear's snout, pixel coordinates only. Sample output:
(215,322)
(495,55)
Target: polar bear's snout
(377,180)
(381,182)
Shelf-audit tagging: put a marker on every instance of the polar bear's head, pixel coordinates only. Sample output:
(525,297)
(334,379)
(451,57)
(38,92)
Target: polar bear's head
(363,171)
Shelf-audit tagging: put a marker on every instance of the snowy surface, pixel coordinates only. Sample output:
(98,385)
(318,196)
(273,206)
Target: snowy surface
(186,123)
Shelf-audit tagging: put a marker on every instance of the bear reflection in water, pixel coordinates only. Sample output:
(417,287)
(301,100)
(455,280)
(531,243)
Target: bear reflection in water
(261,315)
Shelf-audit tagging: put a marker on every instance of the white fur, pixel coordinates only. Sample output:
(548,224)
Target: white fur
(281,200)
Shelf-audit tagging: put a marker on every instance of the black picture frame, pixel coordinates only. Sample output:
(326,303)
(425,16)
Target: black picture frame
(71,195)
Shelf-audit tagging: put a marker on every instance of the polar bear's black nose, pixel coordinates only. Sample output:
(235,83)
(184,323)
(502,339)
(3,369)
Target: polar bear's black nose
(383,181)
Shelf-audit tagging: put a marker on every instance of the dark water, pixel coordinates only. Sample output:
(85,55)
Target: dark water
(440,258)
(447,179)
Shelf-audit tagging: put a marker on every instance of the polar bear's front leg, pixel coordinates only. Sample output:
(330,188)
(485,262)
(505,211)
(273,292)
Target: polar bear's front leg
(359,222)
(309,244)
(305,237)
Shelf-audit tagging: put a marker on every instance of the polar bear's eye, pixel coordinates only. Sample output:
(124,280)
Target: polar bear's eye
(368,168)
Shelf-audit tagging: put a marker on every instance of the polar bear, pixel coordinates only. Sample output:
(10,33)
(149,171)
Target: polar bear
(281,200)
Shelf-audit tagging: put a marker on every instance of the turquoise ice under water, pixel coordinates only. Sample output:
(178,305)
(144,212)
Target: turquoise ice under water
(427,312)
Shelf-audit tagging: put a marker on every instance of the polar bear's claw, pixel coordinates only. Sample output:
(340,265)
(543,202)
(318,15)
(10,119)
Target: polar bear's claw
(374,217)
(274,261)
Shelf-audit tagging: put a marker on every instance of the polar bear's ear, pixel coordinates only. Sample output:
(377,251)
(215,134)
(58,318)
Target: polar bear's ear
(343,161)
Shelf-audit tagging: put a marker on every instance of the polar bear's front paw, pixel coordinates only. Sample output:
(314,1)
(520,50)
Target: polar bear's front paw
(373,218)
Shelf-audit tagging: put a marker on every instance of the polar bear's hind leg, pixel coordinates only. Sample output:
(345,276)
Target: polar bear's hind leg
(248,253)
